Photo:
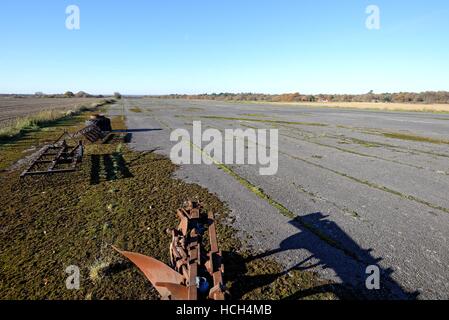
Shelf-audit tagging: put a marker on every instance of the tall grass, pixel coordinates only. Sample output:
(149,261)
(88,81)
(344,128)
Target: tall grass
(43,118)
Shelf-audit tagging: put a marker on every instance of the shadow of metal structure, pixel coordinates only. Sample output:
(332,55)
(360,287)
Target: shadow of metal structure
(351,270)
(108,167)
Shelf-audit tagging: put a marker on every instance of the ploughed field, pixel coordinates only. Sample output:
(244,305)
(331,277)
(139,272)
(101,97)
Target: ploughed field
(12,108)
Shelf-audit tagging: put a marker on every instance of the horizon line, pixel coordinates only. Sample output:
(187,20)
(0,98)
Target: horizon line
(221,93)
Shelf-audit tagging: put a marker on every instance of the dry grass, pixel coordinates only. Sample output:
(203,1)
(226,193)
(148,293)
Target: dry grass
(30,122)
(12,107)
(411,137)
(96,270)
(136,110)
(375,106)
(37,120)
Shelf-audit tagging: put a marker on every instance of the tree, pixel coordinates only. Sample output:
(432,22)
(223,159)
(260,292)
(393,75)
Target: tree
(311,98)
(82,94)
(117,95)
(69,94)
(387,97)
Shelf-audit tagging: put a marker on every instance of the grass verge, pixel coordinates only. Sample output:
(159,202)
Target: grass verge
(369,106)
(42,119)
(37,130)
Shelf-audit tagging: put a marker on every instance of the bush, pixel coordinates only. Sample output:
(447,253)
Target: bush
(82,94)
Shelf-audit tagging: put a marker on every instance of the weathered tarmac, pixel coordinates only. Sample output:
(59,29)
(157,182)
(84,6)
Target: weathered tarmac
(354,188)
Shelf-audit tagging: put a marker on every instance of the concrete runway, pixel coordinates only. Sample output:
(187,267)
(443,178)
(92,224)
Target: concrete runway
(353,192)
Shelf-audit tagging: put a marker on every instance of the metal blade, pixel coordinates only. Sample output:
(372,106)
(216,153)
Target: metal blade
(177,291)
(154,270)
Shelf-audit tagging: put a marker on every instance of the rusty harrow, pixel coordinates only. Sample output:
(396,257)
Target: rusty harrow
(195,273)
(57,157)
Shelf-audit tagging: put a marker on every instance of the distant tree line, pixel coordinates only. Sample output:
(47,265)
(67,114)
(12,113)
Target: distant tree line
(68,94)
(428,97)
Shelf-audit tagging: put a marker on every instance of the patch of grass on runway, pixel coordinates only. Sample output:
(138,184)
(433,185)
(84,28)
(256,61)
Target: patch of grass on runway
(315,124)
(365,143)
(256,115)
(136,110)
(411,137)
(194,109)
(395,147)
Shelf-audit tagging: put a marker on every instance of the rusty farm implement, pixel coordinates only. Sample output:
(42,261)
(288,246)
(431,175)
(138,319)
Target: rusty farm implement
(60,156)
(97,128)
(57,157)
(195,273)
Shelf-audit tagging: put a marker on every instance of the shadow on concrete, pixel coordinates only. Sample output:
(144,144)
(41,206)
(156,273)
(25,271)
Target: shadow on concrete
(339,252)
(245,281)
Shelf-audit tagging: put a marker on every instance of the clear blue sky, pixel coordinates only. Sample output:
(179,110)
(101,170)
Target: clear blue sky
(159,47)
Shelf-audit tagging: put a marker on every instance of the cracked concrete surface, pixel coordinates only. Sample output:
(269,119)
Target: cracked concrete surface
(360,198)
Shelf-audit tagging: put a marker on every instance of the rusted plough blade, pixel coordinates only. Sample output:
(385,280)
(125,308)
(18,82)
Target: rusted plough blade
(194,273)
(155,271)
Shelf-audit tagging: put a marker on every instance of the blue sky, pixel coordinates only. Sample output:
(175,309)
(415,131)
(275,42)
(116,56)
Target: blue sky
(159,47)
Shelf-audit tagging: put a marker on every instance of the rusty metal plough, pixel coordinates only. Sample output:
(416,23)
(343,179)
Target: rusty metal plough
(194,273)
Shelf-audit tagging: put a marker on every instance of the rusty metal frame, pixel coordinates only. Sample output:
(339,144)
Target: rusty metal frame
(92,133)
(54,155)
(60,153)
